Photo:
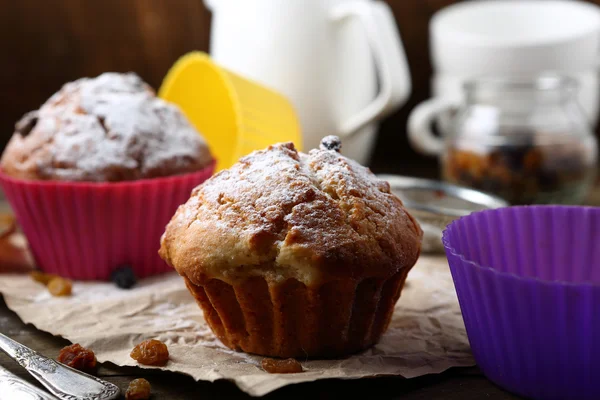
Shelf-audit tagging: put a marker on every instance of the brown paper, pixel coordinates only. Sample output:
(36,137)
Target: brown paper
(426,335)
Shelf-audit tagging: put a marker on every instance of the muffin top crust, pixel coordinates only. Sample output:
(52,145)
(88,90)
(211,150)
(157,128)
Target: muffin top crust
(108,128)
(282,214)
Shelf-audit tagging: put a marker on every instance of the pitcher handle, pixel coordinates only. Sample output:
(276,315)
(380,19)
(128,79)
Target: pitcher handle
(420,135)
(390,61)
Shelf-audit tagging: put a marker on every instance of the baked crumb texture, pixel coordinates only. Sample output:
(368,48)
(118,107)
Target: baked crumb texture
(292,254)
(108,128)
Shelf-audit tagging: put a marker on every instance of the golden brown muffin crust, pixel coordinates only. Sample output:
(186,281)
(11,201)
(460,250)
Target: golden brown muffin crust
(281,214)
(109,128)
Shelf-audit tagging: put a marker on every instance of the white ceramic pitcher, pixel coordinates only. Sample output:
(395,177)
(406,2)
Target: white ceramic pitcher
(340,62)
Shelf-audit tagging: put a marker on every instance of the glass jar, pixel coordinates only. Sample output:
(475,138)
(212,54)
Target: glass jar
(527,141)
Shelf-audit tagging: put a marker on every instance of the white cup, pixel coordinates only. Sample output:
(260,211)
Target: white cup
(509,39)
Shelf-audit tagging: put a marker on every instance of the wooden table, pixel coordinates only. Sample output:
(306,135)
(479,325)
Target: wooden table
(457,383)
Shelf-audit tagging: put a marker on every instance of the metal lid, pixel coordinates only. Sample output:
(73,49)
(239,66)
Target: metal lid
(440,198)
(435,204)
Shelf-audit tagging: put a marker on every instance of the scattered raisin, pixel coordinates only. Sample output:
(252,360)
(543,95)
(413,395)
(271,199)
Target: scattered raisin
(78,357)
(151,352)
(289,366)
(60,286)
(42,277)
(123,277)
(139,389)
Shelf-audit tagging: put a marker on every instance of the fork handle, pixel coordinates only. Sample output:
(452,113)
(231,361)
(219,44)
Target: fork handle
(64,382)
(14,387)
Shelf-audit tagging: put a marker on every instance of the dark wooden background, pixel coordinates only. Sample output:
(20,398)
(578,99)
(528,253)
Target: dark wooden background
(45,43)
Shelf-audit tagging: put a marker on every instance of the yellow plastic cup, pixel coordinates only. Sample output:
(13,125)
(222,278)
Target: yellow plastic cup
(235,115)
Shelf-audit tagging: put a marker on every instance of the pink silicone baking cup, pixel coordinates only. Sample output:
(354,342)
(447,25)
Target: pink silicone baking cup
(84,230)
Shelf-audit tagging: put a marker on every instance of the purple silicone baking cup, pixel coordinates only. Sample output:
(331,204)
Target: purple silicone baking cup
(528,284)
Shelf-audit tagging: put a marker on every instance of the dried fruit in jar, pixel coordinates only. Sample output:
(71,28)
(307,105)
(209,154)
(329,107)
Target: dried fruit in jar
(139,389)
(60,286)
(289,366)
(521,174)
(151,352)
(42,277)
(78,357)
(123,277)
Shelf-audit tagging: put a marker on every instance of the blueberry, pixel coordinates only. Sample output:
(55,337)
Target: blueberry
(123,276)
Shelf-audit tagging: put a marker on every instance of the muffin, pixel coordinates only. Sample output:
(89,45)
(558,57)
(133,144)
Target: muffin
(292,254)
(107,129)
(95,174)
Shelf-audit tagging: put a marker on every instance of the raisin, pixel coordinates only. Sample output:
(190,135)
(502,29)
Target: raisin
(27,123)
(491,185)
(289,366)
(78,357)
(139,389)
(513,157)
(123,277)
(549,180)
(331,143)
(533,161)
(151,352)
(42,277)
(60,286)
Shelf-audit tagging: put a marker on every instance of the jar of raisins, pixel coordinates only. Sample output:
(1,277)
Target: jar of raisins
(525,140)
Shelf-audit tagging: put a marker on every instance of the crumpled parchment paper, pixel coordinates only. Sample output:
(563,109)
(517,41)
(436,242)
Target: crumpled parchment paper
(426,335)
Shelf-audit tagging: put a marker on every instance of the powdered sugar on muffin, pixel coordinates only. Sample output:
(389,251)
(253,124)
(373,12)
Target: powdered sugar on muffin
(281,214)
(108,128)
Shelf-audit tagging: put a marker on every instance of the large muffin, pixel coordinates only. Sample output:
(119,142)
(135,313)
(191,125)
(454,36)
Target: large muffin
(294,255)
(109,128)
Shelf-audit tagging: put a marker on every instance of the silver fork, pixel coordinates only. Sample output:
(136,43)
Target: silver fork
(62,381)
